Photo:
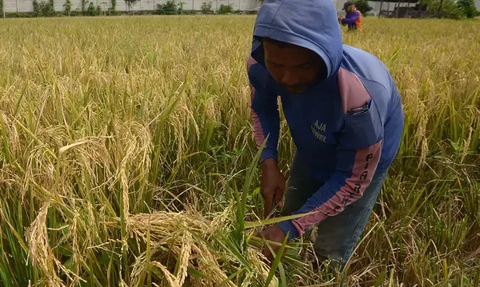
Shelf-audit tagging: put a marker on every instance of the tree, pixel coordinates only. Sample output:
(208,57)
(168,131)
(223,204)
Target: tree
(444,8)
(68,7)
(114,6)
(91,9)
(130,3)
(362,6)
(169,8)
(225,9)
(206,7)
(468,8)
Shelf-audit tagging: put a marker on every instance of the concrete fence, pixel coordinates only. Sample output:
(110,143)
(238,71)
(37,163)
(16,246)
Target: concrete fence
(141,5)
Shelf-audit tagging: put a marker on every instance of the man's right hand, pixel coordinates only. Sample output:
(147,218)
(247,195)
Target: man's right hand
(272,185)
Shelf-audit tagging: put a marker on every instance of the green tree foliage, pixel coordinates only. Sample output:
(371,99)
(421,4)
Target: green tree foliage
(68,7)
(169,8)
(225,9)
(468,8)
(206,7)
(453,9)
(130,3)
(43,8)
(362,6)
(91,9)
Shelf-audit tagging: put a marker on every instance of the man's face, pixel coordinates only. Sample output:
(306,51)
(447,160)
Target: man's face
(295,68)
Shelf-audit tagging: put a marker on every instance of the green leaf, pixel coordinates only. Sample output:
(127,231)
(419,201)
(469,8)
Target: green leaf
(196,273)
(277,260)
(231,277)
(283,277)
(242,205)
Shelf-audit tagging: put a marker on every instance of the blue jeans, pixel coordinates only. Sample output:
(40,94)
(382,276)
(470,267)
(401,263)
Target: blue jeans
(337,235)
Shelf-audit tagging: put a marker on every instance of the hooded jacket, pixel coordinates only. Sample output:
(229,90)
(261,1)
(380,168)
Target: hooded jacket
(346,127)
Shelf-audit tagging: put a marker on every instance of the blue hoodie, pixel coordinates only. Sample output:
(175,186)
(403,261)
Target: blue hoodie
(346,127)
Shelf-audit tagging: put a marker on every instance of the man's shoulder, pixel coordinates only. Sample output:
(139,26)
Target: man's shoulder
(366,66)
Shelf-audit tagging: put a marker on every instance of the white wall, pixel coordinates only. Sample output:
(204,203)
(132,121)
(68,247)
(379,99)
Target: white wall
(390,6)
(149,5)
(27,5)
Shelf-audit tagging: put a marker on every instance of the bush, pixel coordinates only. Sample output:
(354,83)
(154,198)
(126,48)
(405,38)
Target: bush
(180,7)
(468,8)
(225,9)
(47,9)
(169,8)
(36,8)
(189,12)
(451,10)
(43,9)
(20,15)
(91,9)
(362,6)
(448,9)
(206,7)
(68,7)
(1,6)
(113,12)
(99,10)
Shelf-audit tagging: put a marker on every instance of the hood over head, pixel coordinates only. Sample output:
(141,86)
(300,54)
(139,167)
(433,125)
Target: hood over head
(311,24)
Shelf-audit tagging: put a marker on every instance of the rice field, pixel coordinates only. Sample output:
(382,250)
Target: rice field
(127,157)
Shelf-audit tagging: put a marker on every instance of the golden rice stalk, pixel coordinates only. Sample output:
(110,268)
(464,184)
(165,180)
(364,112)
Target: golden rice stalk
(466,145)
(187,242)
(208,264)
(164,224)
(39,248)
(169,276)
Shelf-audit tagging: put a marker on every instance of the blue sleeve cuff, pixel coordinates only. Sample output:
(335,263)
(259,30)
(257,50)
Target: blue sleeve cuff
(287,226)
(268,153)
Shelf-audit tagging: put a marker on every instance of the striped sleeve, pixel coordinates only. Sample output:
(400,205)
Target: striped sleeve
(266,118)
(357,156)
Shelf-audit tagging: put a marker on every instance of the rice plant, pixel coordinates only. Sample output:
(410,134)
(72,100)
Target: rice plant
(127,157)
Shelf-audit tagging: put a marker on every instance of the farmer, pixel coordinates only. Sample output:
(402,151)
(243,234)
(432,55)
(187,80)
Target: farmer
(345,116)
(353,17)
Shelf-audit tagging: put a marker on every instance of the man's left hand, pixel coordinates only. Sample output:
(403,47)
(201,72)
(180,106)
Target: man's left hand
(275,234)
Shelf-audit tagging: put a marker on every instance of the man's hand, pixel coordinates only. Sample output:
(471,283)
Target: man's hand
(272,185)
(273,233)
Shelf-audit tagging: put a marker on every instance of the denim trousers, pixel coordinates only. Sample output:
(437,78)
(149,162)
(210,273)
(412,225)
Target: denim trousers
(339,234)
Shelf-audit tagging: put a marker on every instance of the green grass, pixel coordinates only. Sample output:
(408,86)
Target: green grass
(127,157)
